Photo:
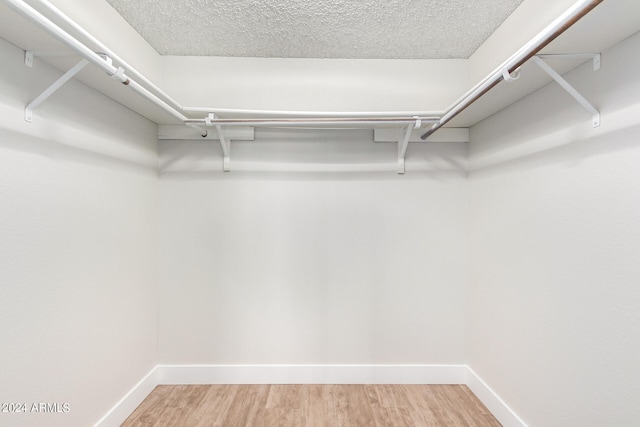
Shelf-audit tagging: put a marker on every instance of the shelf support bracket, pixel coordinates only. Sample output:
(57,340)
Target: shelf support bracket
(570,89)
(224,144)
(595,57)
(28,111)
(403,143)
(29,55)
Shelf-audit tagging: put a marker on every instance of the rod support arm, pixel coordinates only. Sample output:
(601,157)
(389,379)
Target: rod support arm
(595,114)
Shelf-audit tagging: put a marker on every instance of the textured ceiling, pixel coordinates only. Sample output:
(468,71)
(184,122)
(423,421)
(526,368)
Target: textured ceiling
(367,29)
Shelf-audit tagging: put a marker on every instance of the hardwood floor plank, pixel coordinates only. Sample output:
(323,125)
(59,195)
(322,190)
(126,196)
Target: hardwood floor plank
(312,406)
(473,399)
(248,406)
(147,411)
(387,396)
(337,404)
(439,402)
(317,409)
(285,396)
(181,404)
(422,406)
(491,421)
(215,405)
(283,417)
(359,411)
(471,410)
(393,417)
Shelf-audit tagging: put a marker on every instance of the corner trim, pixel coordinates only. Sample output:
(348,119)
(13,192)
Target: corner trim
(493,402)
(125,406)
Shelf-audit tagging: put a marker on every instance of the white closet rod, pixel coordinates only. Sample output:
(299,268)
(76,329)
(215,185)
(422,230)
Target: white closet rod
(130,70)
(30,13)
(100,61)
(168,104)
(317,122)
(312,114)
(169,100)
(526,52)
(164,101)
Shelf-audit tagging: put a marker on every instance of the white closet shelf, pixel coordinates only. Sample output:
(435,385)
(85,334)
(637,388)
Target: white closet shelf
(225,120)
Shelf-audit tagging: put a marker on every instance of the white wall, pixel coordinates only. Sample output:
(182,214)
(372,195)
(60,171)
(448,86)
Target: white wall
(315,84)
(275,263)
(78,200)
(555,250)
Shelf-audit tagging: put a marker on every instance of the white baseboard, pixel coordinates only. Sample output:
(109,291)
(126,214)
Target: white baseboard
(311,374)
(116,416)
(493,402)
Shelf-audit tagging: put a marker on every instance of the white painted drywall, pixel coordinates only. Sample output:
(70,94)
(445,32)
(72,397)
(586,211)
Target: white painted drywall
(78,200)
(315,84)
(555,250)
(290,261)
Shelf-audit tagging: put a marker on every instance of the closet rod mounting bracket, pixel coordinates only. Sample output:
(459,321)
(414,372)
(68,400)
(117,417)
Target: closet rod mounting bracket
(403,142)
(224,144)
(596,58)
(28,111)
(30,55)
(595,114)
(510,77)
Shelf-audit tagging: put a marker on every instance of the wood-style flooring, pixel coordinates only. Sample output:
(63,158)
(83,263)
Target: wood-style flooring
(311,406)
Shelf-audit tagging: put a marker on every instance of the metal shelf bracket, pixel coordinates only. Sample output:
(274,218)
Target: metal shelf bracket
(224,144)
(595,57)
(403,143)
(566,86)
(28,111)
(29,55)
